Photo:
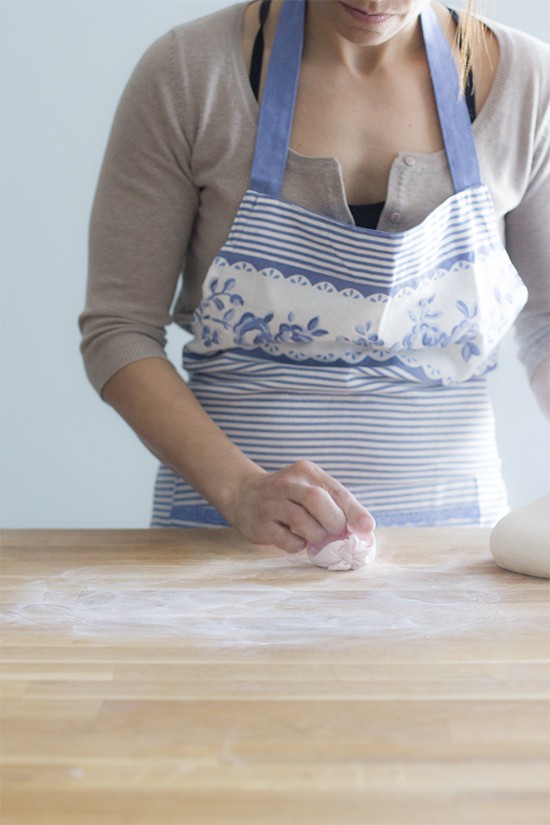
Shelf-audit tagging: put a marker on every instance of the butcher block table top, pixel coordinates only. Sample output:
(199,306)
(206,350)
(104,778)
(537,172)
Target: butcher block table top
(183,677)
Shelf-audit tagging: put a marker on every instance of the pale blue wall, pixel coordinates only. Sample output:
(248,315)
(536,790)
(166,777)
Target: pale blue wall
(67,460)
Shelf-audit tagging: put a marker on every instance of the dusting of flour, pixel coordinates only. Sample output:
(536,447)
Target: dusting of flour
(257,601)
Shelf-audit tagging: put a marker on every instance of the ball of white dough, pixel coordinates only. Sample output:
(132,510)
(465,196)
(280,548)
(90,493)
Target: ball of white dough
(346,551)
(521,540)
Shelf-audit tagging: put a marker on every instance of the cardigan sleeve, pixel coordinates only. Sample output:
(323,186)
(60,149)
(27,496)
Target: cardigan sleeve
(527,225)
(141,221)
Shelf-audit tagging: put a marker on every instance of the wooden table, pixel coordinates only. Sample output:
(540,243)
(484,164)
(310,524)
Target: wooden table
(186,678)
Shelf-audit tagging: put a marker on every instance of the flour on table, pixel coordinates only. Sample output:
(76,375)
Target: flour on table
(252,601)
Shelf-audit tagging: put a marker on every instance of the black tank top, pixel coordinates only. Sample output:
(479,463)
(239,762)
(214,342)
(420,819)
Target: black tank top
(366,215)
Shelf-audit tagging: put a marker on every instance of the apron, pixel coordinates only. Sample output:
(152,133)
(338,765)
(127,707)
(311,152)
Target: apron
(361,350)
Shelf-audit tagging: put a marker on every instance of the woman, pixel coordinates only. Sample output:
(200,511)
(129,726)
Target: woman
(344,274)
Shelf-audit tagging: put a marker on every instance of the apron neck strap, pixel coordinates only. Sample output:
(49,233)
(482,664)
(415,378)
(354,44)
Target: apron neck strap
(279,97)
(454,117)
(278,100)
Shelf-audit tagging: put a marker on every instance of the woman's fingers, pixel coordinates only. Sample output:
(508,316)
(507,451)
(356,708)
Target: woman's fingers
(281,536)
(330,502)
(297,505)
(320,507)
(358,519)
(301,521)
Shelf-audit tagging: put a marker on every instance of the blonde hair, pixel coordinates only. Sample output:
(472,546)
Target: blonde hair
(470,36)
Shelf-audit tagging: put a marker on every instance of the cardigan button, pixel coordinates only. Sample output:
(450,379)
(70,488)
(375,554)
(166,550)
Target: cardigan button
(410,161)
(395,217)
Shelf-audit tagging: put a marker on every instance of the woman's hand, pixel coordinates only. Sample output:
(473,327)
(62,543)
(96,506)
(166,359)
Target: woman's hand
(293,506)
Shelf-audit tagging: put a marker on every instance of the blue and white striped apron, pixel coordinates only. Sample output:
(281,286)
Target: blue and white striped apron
(361,350)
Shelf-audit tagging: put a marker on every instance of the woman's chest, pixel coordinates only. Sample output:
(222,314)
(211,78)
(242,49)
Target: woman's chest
(365,126)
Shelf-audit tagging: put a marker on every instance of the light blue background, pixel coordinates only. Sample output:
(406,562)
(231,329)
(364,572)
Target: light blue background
(67,460)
